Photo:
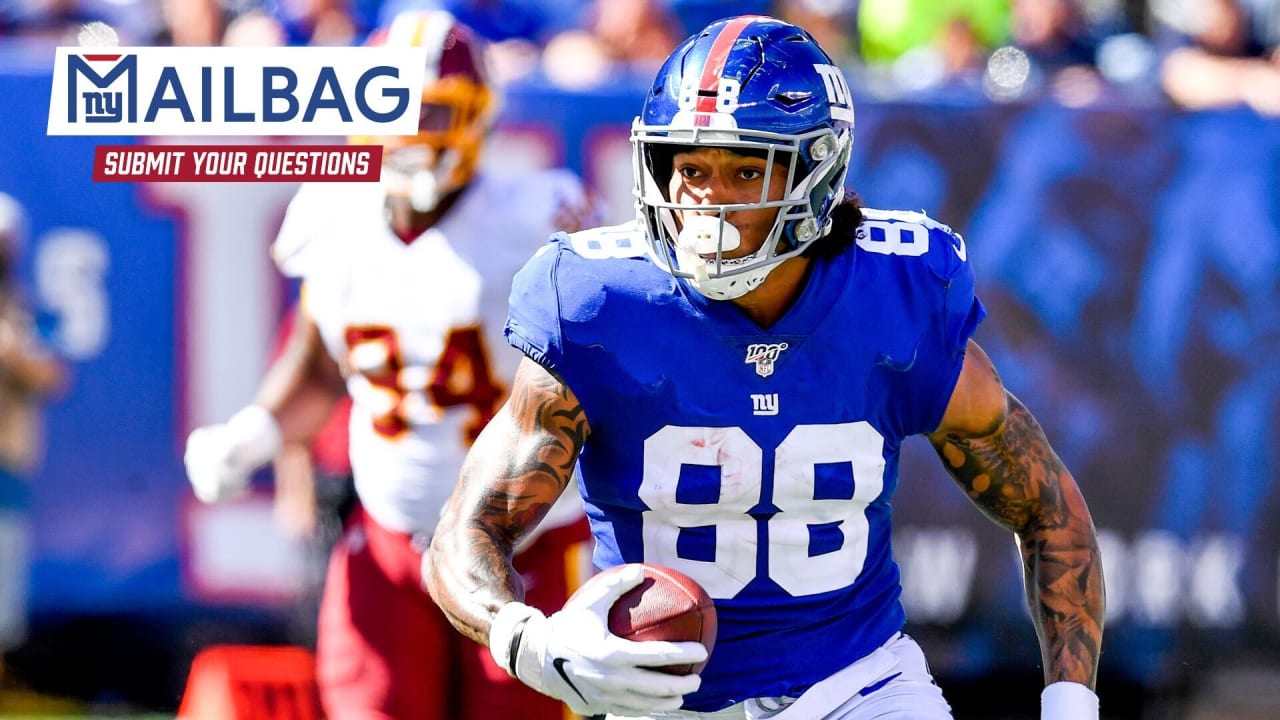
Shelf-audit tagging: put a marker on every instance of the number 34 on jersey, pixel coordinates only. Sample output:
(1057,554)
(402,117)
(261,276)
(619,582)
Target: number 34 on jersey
(403,394)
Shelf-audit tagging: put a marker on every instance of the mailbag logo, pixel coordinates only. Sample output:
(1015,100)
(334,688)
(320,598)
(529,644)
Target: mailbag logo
(270,91)
(274,92)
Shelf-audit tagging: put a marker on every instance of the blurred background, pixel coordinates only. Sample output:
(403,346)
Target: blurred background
(1114,166)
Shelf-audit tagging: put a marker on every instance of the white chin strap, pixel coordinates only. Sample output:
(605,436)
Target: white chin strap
(408,174)
(705,235)
(421,187)
(424,191)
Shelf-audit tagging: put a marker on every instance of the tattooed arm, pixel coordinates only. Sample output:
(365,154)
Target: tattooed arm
(512,476)
(516,469)
(996,451)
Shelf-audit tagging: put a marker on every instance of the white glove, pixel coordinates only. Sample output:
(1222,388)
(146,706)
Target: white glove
(1068,701)
(220,458)
(573,657)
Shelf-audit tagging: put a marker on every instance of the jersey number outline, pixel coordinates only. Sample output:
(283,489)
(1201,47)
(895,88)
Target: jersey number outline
(461,376)
(795,496)
(896,235)
(618,241)
(893,238)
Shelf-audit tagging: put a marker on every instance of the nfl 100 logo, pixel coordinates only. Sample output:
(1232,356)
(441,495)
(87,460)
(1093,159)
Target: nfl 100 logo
(149,91)
(763,356)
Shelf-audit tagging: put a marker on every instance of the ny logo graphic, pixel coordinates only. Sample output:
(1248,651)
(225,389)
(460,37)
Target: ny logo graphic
(762,404)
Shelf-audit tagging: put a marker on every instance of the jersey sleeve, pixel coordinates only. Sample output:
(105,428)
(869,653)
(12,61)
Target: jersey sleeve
(955,318)
(962,311)
(296,246)
(950,317)
(533,315)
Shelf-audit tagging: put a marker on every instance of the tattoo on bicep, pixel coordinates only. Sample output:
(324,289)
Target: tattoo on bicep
(1009,470)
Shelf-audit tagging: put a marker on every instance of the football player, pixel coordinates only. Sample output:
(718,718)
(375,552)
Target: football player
(404,290)
(31,374)
(734,374)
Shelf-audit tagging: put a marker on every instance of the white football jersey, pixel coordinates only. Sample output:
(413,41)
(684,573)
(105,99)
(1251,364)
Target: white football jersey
(417,326)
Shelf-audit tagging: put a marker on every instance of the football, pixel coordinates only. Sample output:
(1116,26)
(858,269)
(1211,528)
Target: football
(667,605)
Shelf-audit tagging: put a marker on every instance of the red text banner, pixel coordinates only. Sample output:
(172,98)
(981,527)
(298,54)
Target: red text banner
(237,163)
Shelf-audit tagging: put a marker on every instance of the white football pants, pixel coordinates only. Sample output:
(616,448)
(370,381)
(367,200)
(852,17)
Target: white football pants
(892,683)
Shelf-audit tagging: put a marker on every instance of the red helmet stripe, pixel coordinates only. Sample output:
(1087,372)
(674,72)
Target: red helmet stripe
(716,58)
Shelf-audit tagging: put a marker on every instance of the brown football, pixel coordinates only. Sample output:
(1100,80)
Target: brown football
(667,605)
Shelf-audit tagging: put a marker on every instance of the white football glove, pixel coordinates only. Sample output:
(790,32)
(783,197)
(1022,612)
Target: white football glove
(573,657)
(1068,701)
(220,458)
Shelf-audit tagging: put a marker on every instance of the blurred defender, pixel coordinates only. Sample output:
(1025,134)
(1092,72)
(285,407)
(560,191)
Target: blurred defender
(404,290)
(734,374)
(30,375)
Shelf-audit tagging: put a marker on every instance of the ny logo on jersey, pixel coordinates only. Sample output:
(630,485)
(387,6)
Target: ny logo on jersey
(764,355)
(762,404)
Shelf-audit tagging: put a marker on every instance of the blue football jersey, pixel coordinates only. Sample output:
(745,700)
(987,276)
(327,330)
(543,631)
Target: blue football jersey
(760,462)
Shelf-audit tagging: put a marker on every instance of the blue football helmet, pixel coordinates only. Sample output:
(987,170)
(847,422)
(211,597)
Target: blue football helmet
(757,86)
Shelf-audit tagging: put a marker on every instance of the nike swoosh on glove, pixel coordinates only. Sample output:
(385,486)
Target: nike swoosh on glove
(573,657)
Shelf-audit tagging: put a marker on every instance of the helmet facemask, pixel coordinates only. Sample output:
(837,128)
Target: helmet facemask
(444,155)
(814,163)
(756,86)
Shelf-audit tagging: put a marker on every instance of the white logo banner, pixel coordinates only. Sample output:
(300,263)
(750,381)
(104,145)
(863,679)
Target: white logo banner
(318,91)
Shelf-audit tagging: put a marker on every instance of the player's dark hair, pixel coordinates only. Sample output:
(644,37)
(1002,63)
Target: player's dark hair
(846,216)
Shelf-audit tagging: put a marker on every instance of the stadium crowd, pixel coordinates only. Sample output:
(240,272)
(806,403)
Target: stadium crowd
(1194,53)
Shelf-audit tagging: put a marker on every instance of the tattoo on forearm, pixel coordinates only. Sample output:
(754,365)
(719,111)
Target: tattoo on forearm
(518,478)
(1013,475)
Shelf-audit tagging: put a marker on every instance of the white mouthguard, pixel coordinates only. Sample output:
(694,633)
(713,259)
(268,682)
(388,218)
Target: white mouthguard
(706,234)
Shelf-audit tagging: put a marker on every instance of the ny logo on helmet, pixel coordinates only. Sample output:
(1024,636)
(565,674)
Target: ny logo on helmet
(764,355)
(837,92)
